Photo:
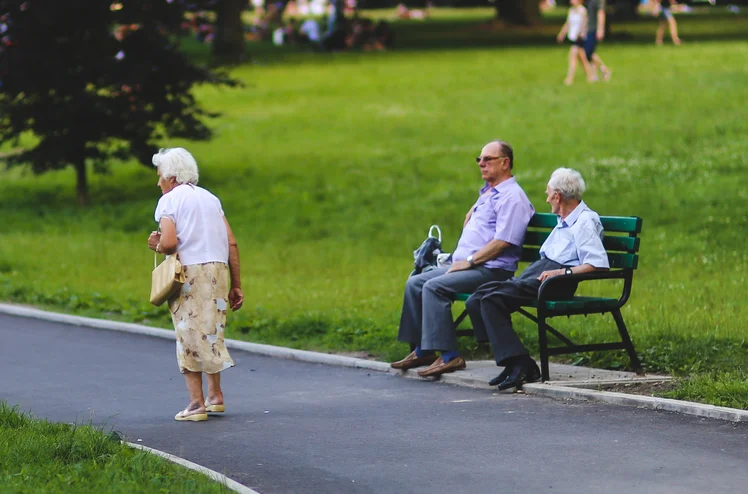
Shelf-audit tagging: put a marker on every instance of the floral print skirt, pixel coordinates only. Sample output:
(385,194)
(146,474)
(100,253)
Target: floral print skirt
(199,316)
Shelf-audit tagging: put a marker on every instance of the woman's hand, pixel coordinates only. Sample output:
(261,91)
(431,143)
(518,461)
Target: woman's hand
(236,298)
(153,240)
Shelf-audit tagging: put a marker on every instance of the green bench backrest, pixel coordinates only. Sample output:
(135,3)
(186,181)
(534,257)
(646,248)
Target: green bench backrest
(620,238)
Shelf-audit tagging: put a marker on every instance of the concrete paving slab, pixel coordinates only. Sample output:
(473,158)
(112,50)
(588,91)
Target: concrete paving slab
(479,372)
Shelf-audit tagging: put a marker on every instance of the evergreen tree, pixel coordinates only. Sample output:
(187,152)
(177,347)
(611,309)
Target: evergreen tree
(93,80)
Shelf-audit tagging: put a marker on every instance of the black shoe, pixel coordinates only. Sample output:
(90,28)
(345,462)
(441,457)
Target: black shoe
(500,378)
(521,373)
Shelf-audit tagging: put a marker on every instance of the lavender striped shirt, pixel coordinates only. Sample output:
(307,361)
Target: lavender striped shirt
(501,213)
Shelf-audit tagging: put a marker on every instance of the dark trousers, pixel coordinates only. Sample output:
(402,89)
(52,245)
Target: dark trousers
(491,306)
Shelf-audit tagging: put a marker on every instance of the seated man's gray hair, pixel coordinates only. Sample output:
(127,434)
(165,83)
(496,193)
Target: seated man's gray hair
(178,163)
(567,182)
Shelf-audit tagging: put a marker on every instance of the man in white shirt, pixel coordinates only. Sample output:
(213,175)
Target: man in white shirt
(574,246)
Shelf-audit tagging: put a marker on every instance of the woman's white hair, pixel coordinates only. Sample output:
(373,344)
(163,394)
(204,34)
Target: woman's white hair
(567,182)
(177,163)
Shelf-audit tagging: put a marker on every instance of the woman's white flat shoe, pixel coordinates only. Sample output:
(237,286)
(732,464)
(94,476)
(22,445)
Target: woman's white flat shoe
(214,408)
(186,415)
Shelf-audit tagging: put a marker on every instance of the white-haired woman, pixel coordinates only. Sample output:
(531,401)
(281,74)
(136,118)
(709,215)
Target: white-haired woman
(193,225)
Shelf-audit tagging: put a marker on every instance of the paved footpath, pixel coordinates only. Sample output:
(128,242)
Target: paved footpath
(295,427)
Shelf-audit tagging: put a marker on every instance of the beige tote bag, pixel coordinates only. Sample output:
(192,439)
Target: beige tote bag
(167,279)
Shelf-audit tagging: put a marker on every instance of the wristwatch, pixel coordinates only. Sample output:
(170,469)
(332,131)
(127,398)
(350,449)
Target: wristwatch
(568,271)
(470,260)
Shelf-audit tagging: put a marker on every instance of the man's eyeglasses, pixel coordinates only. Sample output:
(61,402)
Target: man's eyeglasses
(487,158)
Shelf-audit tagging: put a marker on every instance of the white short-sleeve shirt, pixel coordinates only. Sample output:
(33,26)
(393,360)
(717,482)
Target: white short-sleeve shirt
(201,232)
(576,20)
(577,240)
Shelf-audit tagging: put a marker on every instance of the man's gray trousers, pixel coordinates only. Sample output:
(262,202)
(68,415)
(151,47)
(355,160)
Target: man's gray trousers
(426,319)
(491,306)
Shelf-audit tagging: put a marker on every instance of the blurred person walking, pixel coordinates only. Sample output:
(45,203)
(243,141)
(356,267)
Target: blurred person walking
(663,11)
(193,226)
(595,34)
(575,28)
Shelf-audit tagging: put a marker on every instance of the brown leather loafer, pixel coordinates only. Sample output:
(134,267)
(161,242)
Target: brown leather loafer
(439,367)
(413,360)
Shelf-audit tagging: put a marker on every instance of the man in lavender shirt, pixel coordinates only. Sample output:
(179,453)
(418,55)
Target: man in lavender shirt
(489,250)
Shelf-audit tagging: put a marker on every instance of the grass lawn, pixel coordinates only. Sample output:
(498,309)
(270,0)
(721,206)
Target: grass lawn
(43,457)
(332,167)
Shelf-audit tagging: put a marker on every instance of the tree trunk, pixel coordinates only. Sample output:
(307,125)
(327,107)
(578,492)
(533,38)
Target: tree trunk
(625,10)
(228,45)
(81,185)
(519,12)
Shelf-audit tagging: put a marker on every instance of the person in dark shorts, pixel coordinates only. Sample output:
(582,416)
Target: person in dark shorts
(595,33)
(574,29)
(663,11)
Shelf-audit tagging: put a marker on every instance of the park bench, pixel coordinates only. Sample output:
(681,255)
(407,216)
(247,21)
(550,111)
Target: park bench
(621,242)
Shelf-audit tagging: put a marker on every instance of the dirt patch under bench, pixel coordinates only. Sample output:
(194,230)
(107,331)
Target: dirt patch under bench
(643,388)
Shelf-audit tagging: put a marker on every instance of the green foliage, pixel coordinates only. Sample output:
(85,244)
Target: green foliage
(44,457)
(332,168)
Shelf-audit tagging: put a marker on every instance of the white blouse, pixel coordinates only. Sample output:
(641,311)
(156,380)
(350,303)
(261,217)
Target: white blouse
(576,19)
(201,232)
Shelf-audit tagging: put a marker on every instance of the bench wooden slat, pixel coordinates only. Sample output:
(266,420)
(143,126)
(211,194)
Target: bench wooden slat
(625,244)
(624,224)
(623,261)
(616,260)
(544,220)
(610,242)
(592,303)
(535,237)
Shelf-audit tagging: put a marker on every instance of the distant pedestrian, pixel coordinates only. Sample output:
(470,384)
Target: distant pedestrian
(310,32)
(193,225)
(575,29)
(595,34)
(663,11)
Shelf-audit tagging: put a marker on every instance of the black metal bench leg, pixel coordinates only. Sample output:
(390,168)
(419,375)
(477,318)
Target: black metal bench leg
(543,340)
(627,341)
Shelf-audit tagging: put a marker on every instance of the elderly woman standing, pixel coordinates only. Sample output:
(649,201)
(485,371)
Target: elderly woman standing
(193,225)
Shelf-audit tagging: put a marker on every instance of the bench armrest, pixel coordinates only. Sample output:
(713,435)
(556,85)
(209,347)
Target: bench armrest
(618,274)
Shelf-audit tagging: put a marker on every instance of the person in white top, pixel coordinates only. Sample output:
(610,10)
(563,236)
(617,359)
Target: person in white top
(576,29)
(194,227)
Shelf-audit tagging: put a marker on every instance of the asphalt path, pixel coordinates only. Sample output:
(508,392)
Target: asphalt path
(294,427)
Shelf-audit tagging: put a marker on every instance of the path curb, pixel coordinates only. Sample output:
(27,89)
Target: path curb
(212,474)
(639,401)
(550,390)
